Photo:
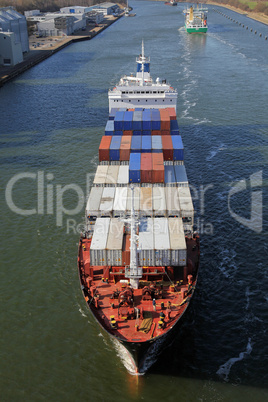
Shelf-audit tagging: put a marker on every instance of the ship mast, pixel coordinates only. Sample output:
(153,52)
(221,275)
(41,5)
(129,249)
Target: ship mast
(134,273)
(143,61)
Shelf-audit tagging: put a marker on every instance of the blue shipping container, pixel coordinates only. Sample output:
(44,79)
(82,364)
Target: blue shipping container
(170,174)
(136,143)
(174,127)
(128,117)
(135,168)
(146,144)
(146,119)
(156,122)
(156,143)
(137,120)
(177,148)
(146,132)
(180,172)
(136,132)
(109,128)
(117,132)
(119,120)
(115,148)
(112,113)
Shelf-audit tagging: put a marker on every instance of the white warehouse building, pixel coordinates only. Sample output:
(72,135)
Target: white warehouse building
(10,50)
(59,24)
(12,21)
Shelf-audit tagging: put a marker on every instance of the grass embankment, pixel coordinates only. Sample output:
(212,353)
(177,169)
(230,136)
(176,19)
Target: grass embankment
(258,6)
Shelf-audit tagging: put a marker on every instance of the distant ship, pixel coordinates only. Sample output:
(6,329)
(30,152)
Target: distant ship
(171,3)
(127,11)
(138,258)
(196,20)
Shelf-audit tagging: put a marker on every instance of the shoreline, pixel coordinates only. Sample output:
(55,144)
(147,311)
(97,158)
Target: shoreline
(250,14)
(42,48)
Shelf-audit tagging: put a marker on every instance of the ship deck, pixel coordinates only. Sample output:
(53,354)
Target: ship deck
(138,317)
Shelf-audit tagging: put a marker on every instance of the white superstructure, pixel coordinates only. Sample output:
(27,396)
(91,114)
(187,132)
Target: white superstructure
(141,91)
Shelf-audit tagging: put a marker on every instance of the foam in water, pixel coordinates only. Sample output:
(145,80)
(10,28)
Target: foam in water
(224,370)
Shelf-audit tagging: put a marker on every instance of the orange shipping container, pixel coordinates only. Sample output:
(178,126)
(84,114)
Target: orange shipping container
(125,148)
(165,119)
(172,113)
(167,147)
(146,168)
(158,168)
(104,148)
(127,132)
(156,132)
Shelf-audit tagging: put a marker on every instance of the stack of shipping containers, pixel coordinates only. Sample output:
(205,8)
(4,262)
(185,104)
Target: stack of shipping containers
(141,148)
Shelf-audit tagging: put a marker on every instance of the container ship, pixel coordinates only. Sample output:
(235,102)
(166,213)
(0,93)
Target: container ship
(138,257)
(196,20)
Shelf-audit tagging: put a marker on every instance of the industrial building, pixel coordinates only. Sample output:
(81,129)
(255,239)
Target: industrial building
(106,8)
(12,21)
(10,50)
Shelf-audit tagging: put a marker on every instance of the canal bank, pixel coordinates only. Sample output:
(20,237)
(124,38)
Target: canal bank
(42,48)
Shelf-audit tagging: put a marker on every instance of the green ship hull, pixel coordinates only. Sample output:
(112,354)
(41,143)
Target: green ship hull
(196,30)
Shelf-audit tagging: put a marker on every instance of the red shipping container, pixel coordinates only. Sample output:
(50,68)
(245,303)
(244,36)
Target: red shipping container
(146,168)
(167,147)
(127,132)
(158,168)
(126,250)
(125,148)
(156,132)
(165,119)
(172,113)
(104,148)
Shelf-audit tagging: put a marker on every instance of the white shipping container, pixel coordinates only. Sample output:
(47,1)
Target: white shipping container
(136,199)
(122,178)
(115,242)
(172,201)
(159,201)
(186,204)
(111,177)
(100,175)
(107,200)
(161,242)
(146,243)
(120,201)
(146,201)
(177,242)
(93,202)
(99,240)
